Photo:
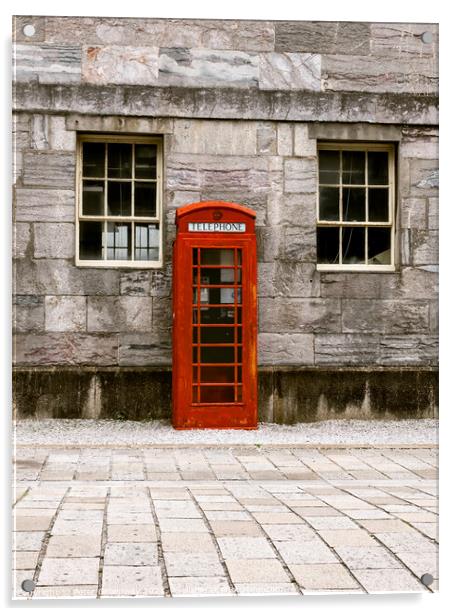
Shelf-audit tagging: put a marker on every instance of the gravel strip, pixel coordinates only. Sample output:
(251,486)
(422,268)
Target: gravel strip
(90,432)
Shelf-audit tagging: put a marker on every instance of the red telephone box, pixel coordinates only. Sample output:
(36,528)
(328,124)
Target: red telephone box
(214,317)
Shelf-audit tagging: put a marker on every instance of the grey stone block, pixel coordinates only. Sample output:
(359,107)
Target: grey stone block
(135,283)
(119,314)
(292,209)
(21,240)
(39,205)
(300,175)
(54,240)
(230,103)
(384,316)
(178,198)
(299,315)
(65,313)
(290,349)
(346,349)
(424,177)
(39,132)
(65,349)
(425,247)
(322,37)
(60,137)
(207,67)
(231,138)
(297,244)
(409,350)
(285,139)
(413,147)
(255,201)
(402,40)
(60,277)
(162,319)
(47,63)
(120,64)
(354,285)
(20,21)
(143,350)
(410,283)
(215,34)
(296,279)
(379,74)
(49,169)
(413,213)
(289,71)
(266,138)
(161,281)
(433,213)
(303,144)
(28,313)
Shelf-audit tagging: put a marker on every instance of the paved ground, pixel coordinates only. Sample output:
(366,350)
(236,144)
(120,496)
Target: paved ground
(161,521)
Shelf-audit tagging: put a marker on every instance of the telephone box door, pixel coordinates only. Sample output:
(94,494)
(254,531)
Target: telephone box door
(215,325)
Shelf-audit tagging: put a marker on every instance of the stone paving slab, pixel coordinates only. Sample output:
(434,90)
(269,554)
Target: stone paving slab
(203,531)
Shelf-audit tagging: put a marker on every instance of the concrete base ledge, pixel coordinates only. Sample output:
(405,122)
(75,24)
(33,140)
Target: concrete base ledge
(287,395)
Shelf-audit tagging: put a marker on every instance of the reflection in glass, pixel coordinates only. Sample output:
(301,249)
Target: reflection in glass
(354,204)
(216,275)
(353,167)
(329,203)
(90,242)
(377,167)
(353,245)
(329,166)
(145,199)
(119,160)
(214,315)
(378,205)
(118,241)
(93,160)
(328,245)
(217,256)
(119,198)
(145,161)
(217,296)
(146,242)
(379,245)
(93,198)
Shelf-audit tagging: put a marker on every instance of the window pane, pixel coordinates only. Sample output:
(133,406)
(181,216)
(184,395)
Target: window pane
(353,164)
(217,355)
(329,166)
(145,161)
(93,198)
(147,242)
(119,160)
(329,203)
(217,256)
(328,245)
(354,204)
(91,240)
(353,245)
(119,198)
(379,244)
(217,394)
(217,276)
(378,205)
(214,315)
(118,241)
(217,374)
(145,199)
(377,167)
(93,160)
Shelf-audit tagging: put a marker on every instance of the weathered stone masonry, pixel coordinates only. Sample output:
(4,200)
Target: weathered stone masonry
(240,106)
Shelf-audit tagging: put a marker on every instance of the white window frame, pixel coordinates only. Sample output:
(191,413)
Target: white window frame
(360,267)
(118,263)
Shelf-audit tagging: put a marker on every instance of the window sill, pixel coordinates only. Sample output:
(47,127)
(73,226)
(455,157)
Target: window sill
(355,268)
(119,264)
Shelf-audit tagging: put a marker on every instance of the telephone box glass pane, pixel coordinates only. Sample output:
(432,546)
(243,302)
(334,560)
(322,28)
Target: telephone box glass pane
(214,315)
(217,256)
(217,374)
(217,394)
(216,355)
(214,335)
(216,275)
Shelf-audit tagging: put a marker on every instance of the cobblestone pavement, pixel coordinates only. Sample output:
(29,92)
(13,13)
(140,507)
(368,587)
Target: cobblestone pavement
(180,521)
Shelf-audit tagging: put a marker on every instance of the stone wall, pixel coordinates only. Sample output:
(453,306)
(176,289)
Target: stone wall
(240,106)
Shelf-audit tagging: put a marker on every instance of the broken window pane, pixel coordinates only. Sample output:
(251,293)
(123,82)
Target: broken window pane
(119,160)
(93,160)
(353,167)
(329,167)
(378,205)
(90,243)
(118,241)
(354,204)
(119,198)
(329,203)
(379,245)
(377,167)
(353,241)
(328,245)
(145,161)
(145,199)
(93,198)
